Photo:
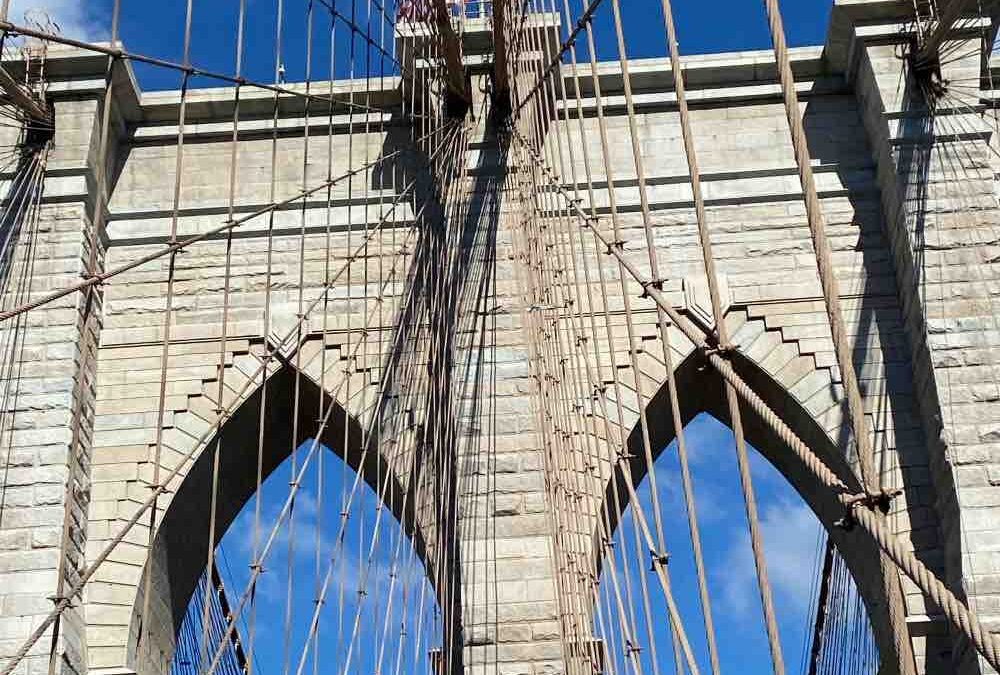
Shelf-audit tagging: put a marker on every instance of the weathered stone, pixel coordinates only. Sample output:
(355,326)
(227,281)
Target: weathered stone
(918,309)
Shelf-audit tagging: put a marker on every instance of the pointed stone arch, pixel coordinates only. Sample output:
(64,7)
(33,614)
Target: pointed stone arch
(816,424)
(179,551)
(180,544)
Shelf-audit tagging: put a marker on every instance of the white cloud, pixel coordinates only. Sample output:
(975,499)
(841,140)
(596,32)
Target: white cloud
(790,532)
(72,16)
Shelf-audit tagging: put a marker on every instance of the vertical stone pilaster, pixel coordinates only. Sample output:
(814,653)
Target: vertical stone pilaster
(46,460)
(935,173)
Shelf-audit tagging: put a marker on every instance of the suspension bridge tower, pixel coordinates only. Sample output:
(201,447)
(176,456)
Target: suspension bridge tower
(380,337)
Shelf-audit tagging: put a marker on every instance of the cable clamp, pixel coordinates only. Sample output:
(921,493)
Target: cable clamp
(873,501)
(715,346)
(582,22)
(617,244)
(661,559)
(655,283)
(725,351)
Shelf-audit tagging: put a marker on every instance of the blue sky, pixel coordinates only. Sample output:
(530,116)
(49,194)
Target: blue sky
(156,29)
(792,540)
(352,565)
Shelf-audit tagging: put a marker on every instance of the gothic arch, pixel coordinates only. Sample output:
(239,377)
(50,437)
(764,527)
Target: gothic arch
(706,394)
(179,552)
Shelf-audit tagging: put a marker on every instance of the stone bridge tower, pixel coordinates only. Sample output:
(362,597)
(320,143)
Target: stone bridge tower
(910,201)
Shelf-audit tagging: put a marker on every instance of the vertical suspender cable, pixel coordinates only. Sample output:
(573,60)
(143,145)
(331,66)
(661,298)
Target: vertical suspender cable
(210,569)
(166,332)
(870,475)
(756,540)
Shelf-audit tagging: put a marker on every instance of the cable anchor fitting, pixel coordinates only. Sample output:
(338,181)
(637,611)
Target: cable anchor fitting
(714,345)
(661,559)
(874,501)
(654,283)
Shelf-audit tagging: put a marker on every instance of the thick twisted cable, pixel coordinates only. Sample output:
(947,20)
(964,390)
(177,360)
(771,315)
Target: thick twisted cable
(956,611)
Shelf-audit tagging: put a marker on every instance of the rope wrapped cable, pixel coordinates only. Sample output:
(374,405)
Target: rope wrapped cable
(167,327)
(659,544)
(570,477)
(828,281)
(88,348)
(708,262)
(210,564)
(859,507)
(566,528)
(600,391)
(295,484)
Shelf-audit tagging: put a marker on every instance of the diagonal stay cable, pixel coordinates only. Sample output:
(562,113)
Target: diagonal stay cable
(581,24)
(156,490)
(869,473)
